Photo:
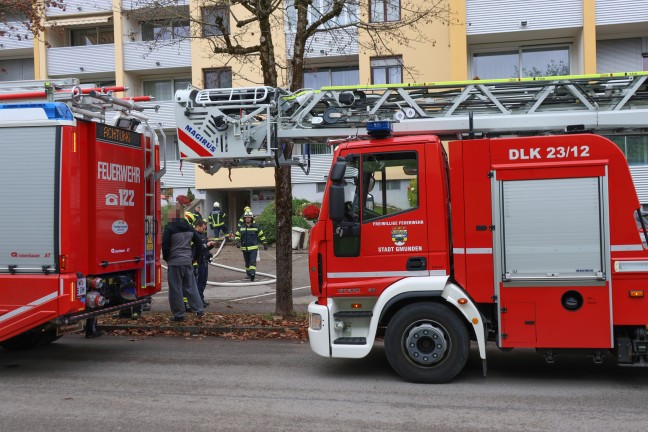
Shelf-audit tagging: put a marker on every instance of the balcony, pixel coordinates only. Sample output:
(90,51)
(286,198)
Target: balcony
(79,60)
(332,43)
(15,39)
(165,115)
(73,7)
(151,58)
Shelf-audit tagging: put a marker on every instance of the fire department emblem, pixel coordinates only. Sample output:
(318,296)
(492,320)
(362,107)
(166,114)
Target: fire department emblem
(399,236)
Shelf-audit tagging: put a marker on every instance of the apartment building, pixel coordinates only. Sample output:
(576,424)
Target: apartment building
(120,42)
(502,39)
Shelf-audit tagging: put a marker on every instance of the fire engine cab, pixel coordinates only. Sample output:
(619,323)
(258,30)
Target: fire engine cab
(80,208)
(519,228)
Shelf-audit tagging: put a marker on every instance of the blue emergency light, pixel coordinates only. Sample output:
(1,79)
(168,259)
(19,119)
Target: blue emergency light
(379,129)
(53,110)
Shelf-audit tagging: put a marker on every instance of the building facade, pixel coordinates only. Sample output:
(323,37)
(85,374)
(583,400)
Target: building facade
(157,51)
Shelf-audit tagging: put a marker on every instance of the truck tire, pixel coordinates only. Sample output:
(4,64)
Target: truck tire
(30,339)
(427,343)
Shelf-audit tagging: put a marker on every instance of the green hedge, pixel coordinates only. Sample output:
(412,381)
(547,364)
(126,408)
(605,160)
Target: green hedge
(267,220)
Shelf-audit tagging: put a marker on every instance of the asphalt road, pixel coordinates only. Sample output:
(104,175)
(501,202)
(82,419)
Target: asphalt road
(159,384)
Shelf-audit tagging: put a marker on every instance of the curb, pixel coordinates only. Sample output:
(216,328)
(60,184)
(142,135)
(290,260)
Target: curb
(194,329)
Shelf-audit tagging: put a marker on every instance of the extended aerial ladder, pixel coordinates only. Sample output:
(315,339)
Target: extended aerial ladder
(234,127)
(99,104)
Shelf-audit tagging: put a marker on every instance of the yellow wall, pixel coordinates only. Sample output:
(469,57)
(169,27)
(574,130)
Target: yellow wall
(458,41)
(244,73)
(118,21)
(242,178)
(421,60)
(589,36)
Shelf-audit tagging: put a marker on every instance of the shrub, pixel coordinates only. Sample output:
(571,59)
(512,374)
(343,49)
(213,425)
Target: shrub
(298,205)
(183,200)
(311,212)
(412,193)
(267,220)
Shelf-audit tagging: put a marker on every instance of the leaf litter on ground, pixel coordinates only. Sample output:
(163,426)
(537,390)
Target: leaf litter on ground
(230,326)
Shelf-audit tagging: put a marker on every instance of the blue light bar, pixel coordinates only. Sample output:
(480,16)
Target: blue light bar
(53,110)
(379,129)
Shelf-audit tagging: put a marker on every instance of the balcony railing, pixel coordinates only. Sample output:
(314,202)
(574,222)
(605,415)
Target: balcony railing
(72,7)
(150,57)
(80,60)
(16,37)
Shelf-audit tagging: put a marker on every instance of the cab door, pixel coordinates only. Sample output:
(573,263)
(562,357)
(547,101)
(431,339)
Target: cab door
(383,237)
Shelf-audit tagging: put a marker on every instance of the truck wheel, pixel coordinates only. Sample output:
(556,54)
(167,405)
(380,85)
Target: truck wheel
(427,343)
(30,339)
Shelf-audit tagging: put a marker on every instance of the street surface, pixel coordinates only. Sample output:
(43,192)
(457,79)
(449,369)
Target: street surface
(117,383)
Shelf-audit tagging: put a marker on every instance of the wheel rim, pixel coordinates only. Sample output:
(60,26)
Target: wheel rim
(425,343)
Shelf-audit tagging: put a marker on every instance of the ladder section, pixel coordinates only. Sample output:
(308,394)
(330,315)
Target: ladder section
(246,127)
(227,127)
(521,106)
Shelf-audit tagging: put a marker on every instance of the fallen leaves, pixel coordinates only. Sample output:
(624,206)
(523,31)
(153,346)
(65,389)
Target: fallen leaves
(229,326)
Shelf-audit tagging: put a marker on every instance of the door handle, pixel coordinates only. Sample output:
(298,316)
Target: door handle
(416,263)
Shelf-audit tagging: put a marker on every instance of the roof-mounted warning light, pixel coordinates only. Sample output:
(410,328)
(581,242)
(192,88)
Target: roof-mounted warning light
(379,129)
(52,110)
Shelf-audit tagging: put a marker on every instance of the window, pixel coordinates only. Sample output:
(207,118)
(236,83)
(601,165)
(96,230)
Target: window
(320,187)
(391,185)
(92,36)
(389,170)
(165,30)
(217,78)
(215,21)
(172,151)
(165,89)
(634,147)
(387,71)
(384,10)
(17,70)
(521,63)
(620,55)
(317,8)
(318,78)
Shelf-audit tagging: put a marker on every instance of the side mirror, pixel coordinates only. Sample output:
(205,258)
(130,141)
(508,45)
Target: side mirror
(336,202)
(338,170)
(369,205)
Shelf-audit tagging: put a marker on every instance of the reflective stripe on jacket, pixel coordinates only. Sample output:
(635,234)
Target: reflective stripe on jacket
(250,236)
(216,219)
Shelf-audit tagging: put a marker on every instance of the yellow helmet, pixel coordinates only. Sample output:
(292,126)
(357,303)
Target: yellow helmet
(247,209)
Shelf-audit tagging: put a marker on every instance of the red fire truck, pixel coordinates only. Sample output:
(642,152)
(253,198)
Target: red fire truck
(79,215)
(520,230)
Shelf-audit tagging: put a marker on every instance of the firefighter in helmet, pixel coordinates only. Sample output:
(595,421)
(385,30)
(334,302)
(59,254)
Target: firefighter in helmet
(247,239)
(216,220)
(193,215)
(246,209)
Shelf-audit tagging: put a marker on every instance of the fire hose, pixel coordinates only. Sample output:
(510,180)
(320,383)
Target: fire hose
(273,278)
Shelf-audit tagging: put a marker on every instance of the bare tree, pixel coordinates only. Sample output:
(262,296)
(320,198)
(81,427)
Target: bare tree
(23,19)
(384,25)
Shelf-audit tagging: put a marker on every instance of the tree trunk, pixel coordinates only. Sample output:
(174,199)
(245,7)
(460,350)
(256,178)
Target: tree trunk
(283,185)
(283,202)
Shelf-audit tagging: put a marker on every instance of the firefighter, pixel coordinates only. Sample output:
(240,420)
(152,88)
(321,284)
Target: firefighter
(179,255)
(247,239)
(190,217)
(216,220)
(204,258)
(241,221)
